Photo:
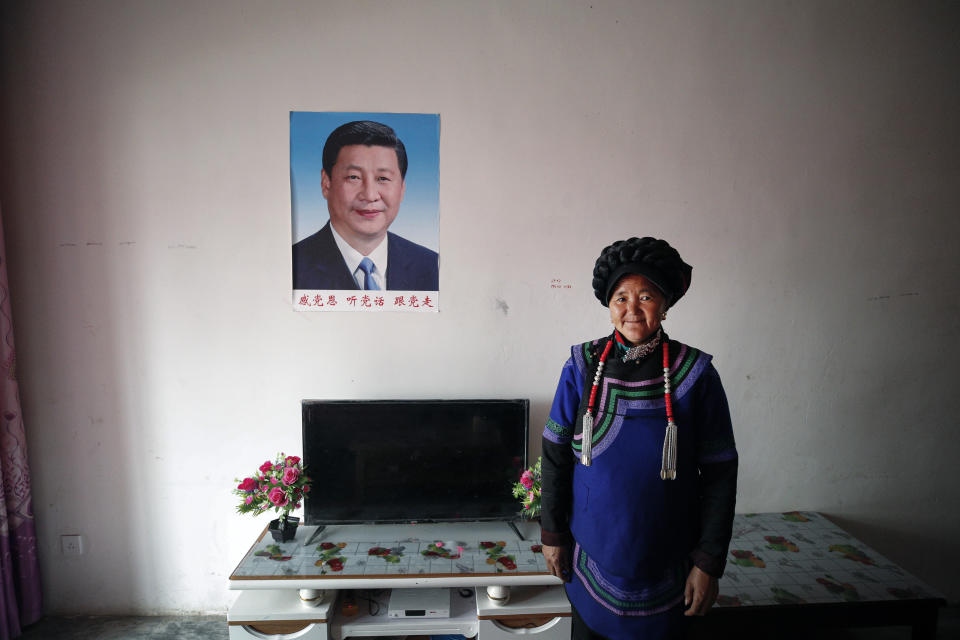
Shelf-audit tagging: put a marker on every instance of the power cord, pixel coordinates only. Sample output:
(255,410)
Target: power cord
(374,606)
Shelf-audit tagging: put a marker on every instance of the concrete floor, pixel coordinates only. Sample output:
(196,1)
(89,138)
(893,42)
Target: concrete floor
(128,628)
(215,628)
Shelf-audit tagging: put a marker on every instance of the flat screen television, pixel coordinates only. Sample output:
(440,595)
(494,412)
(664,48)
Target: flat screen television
(401,461)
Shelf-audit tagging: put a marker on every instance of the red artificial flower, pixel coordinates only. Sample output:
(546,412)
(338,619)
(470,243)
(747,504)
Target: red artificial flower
(248,484)
(290,475)
(278,497)
(266,466)
(527,479)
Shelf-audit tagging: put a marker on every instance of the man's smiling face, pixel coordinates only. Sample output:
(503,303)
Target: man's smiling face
(363,193)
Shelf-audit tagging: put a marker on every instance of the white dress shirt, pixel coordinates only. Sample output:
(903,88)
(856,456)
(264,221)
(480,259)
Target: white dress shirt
(353,257)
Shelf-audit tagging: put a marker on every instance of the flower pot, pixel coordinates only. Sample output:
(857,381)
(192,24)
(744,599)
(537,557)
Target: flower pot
(284,529)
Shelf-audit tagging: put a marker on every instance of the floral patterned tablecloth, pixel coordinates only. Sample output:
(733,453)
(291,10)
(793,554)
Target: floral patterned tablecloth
(392,558)
(801,557)
(775,558)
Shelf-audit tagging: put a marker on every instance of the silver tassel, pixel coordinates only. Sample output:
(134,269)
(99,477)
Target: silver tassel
(668,464)
(586,459)
(587,432)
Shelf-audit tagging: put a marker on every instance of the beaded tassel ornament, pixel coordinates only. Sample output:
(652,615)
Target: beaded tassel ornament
(587,432)
(668,463)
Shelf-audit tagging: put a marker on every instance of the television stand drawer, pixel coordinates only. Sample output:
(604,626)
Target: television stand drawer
(541,611)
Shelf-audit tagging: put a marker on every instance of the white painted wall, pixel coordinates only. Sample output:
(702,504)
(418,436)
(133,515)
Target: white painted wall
(803,156)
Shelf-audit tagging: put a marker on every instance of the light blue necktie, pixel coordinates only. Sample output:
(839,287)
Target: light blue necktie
(367,266)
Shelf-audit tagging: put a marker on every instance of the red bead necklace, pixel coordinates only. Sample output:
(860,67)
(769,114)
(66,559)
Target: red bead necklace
(668,461)
(668,464)
(586,444)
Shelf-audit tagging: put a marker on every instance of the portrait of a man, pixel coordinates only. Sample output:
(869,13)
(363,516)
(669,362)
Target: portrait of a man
(363,181)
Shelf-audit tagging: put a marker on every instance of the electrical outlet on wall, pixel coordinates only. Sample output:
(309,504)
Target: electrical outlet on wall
(71,545)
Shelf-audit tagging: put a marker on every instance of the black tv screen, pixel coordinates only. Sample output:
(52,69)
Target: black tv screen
(380,461)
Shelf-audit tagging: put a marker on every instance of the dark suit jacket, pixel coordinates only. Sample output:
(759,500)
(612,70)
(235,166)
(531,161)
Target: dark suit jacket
(318,264)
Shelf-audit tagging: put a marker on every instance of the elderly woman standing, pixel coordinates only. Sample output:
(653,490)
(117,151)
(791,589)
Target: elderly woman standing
(639,460)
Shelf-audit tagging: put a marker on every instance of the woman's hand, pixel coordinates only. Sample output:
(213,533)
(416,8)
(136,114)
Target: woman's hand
(558,561)
(700,593)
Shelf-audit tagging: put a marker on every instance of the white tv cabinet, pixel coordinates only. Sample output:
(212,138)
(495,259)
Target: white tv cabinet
(297,590)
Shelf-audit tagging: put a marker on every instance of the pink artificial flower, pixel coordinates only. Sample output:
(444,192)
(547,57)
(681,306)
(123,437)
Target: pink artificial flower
(249,499)
(278,497)
(527,479)
(530,495)
(291,461)
(290,475)
(248,484)
(274,481)
(266,466)
(306,489)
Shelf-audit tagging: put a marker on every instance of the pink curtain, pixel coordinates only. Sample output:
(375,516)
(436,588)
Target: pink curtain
(20,597)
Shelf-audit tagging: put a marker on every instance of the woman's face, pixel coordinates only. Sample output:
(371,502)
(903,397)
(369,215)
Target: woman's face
(636,307)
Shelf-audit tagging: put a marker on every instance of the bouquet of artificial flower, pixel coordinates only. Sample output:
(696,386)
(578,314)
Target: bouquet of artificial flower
(528,490)
(279,485)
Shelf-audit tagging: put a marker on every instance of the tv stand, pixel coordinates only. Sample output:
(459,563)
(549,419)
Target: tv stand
(296,589)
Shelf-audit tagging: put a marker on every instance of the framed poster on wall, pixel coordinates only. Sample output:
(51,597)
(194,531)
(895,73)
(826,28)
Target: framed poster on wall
(364,193)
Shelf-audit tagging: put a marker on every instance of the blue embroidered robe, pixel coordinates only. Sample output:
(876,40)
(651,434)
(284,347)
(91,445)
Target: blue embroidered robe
(633,535)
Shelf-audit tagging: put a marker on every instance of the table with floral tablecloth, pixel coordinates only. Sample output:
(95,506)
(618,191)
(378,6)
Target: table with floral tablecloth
(799,567)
